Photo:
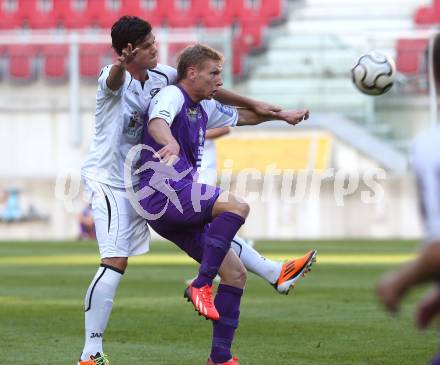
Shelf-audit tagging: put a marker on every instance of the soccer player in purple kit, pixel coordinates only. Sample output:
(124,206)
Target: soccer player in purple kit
(201,219)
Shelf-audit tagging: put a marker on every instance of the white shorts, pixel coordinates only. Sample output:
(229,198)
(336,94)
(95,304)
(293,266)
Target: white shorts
(120,231)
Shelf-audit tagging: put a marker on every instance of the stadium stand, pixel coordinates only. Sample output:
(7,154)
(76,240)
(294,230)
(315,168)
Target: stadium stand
(410,53)
(249,18)
(428,15)
(309,63)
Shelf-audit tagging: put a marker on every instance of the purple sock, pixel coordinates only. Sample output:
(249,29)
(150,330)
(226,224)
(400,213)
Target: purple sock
(227,302)
(217,244)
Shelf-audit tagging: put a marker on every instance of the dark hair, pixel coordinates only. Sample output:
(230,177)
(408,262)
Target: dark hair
(128,29)
(195,55)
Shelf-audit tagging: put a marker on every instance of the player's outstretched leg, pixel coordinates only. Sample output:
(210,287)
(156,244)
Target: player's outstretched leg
(294,269)
(227,301)
(254,262)
(281,276)
(98,304)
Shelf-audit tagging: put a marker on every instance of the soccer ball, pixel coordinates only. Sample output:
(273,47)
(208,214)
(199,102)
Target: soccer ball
(374,73)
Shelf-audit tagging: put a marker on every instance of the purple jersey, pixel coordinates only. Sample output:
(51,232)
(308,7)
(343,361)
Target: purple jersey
(188,123)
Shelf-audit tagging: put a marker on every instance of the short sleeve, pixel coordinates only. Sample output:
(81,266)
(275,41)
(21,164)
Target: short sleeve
(166,104)
(167,72)
(219,115)
(102,82)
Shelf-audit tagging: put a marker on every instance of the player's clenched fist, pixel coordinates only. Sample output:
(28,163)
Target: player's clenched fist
(169,153)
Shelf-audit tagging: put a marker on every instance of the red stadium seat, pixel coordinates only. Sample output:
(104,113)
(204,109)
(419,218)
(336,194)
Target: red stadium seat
(239,52)
(213,17)
(36,17)
(174,50)
(252,13)
(10,17)
(251,33)
(55,59)
(21,61)
(149,11)
(92,59)
(74,18)
(258,11)
(272,9)
(178,17)
(104,15)
(427,16)
(410,53)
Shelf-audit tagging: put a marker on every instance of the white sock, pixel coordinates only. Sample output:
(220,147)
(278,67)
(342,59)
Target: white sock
(98,304)
(267,269)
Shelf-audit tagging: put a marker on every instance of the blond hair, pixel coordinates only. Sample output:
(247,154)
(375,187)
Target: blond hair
(195,56)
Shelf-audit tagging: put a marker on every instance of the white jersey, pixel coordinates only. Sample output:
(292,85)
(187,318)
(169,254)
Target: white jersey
(426,165)
(119,118)
(208,169)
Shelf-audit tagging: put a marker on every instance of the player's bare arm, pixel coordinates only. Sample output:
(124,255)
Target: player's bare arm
(116,76)
(217,132)
(261,108)
(249,117)
(428,308)
(393,286)
(160,131)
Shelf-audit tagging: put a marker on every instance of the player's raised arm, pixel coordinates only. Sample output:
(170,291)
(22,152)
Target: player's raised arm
(249,117)
(263,109)
(116,76)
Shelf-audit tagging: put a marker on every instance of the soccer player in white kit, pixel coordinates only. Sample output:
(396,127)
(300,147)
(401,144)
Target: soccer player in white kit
(124,92)
(426,267)
(208,168)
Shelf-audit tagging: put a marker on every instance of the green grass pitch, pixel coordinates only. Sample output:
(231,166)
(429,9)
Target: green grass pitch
(330,318)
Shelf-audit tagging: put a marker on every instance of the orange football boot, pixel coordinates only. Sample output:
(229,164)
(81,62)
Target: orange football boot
(292,270)
(201,298)
(233,361)
(98,359)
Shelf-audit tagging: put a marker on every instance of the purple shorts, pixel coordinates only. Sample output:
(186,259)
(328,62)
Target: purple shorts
(183,215)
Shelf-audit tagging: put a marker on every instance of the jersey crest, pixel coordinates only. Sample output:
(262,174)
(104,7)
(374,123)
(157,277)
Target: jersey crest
(192,114)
